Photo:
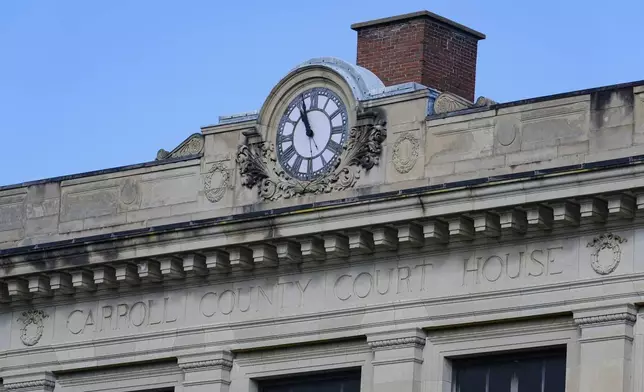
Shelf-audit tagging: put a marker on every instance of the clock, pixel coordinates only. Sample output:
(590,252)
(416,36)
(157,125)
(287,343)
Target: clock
(311,133)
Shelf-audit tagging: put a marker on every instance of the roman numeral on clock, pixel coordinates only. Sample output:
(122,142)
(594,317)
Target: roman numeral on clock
(338,129)
(314,101)
(298,163)
(286,138)
(288,153)
(334,147)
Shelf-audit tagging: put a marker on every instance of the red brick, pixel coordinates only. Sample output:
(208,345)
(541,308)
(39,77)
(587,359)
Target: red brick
(423,50)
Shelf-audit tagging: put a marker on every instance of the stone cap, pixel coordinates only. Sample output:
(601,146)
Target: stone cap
(416,15)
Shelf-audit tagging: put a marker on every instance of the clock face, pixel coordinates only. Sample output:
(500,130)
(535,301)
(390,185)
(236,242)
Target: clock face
(311,133)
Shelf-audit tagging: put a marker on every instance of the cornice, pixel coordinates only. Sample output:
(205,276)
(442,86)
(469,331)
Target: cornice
(31,384)
(222,363)
(413,341)
(606,318)
(500,185)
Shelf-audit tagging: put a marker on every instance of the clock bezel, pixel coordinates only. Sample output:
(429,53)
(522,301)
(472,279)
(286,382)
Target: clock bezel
(295,100)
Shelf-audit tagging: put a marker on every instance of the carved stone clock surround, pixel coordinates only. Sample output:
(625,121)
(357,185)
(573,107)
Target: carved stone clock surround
(259,167)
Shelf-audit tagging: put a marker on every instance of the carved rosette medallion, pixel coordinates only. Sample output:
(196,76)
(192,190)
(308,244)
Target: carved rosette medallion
(258,165)
(32,326)
(216,182)
(405,152)
(607,253)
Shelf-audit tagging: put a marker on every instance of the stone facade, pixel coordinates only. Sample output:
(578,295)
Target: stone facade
(458,233)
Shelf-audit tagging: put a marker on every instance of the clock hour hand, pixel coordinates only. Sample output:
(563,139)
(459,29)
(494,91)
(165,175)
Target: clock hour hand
(305,119)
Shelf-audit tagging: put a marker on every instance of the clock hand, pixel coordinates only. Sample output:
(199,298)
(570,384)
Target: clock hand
(305,119)
(314,143)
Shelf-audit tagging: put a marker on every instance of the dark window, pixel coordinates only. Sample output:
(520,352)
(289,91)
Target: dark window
(526,372)
(326,382)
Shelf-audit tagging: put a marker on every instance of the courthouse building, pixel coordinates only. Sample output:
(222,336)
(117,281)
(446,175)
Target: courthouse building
(372,227)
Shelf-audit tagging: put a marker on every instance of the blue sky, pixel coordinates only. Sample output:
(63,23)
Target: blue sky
(87,85)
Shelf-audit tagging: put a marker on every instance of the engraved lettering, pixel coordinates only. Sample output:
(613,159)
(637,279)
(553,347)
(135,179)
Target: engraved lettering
(552,270)
(356,285)
(302,290)
(239,296)
(150,307)
(467,269)
(138,313)
(263,294)
(207,305)
(389,275)
(121,311)
(231,303)
(283,286)
(494,275)
(519,265)
(536,262)
(89,320)
(404,279)
(423,274)
(335,288)
(71,323)
(107,315)
(513,266)
(165,312)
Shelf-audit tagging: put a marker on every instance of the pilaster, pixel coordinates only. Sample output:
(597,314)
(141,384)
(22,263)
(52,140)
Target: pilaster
(207,372)
(398,359)
(38,382)
(606,346)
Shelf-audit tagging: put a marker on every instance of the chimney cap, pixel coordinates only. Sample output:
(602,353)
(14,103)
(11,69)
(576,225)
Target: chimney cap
(417,15)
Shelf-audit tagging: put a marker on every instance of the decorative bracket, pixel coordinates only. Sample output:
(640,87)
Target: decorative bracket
(258,165)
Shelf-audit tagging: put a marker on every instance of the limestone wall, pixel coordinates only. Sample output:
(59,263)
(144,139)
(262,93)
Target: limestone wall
(512,138)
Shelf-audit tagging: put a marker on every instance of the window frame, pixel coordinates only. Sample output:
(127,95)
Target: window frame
(470,362)
(305,378)
(256,367)
(447,345)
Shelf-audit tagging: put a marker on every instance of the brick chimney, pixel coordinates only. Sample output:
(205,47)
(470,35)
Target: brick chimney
(420,47)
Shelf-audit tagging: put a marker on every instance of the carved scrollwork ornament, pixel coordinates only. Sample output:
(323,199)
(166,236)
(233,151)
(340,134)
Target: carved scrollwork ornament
(215,192)
(258,165)
(192,146)
(32,326)
(605,242)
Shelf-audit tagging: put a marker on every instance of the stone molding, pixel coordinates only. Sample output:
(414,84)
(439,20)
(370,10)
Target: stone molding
(625,317)
(44,384)
(220,363)
(501,221)
(384,344)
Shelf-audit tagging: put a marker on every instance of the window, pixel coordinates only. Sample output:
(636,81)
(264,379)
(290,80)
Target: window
(329,382)
(527,372)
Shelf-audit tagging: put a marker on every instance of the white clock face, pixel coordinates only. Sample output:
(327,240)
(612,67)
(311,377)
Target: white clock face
(312,133)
